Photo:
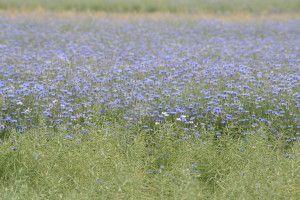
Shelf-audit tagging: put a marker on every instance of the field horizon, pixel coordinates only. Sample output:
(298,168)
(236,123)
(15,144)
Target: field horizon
(149,6)
(238,17)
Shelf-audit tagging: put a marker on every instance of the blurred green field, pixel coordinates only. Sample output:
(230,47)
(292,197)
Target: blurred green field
(114,162)
(195,6)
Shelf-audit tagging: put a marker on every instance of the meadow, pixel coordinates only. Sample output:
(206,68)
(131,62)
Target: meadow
(174,6)
(158,106)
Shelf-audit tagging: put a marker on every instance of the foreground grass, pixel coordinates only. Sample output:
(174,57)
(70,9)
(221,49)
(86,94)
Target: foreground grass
(216,6)
(114,162)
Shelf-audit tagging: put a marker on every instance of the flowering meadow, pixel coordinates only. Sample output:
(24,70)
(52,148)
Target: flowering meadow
(201,73)
(171,107)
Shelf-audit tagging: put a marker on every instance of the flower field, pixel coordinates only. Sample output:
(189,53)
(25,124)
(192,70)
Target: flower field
(156,92)
(195,73)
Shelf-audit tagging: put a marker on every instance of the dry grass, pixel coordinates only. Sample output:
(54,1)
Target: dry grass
(158,16)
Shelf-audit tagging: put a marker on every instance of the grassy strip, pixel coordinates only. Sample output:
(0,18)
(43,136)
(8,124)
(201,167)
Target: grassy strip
(118,163)
(217,6)
(157,16)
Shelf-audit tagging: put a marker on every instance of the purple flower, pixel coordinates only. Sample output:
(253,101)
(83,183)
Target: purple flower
(217,110)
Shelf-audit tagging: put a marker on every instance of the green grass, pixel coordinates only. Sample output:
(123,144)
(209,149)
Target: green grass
(216,6)
(115,162)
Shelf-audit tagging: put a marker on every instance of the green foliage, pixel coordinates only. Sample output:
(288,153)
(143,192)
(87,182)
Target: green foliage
(114,162)
(218,6)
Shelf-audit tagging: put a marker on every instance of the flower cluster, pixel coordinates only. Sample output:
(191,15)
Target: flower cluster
(195,73)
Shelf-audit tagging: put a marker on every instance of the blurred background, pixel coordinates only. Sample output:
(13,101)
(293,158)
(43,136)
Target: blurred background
(174,6)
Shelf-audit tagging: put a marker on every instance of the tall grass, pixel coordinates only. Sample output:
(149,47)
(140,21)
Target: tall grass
(114,162)
(216,6)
